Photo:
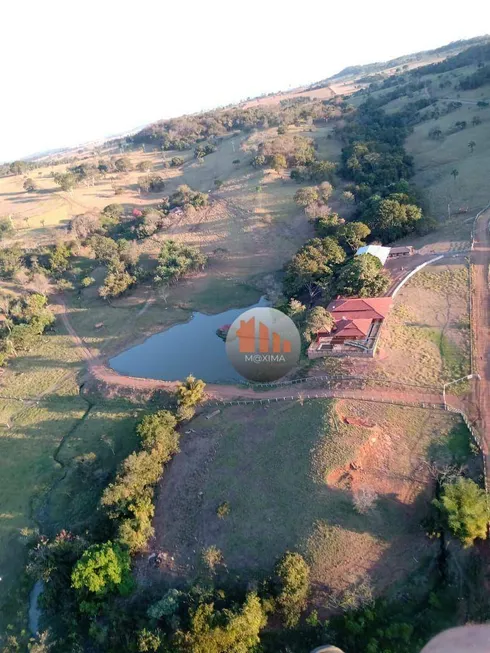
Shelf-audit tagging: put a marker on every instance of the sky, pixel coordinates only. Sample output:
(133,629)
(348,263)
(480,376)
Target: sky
(76,72)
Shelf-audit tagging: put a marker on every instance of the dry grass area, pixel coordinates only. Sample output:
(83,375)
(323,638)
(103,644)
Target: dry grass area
(426,337)
(288,472)
(324,93)
(435,161)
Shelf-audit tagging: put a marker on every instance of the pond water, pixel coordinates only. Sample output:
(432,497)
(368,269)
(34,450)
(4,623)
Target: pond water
(190,348)
(34,610)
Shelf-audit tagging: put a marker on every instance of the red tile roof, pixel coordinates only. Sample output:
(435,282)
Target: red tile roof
(375,308)
(352,328)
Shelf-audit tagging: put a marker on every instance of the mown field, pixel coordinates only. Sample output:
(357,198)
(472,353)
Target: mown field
(288,472)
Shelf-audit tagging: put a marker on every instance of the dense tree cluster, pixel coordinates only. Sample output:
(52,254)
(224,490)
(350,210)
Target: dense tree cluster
(128,500)
(176,260)
(187,132)
(465,509)
(24,319)
(362,276)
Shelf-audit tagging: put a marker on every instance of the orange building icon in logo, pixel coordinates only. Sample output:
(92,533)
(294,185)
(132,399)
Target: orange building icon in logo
(250,343)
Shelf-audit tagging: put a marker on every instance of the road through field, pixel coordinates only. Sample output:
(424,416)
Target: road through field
(480,259)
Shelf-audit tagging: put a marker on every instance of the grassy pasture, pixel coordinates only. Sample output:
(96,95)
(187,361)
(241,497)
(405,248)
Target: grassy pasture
(435,161)
(285,471)
(426,337)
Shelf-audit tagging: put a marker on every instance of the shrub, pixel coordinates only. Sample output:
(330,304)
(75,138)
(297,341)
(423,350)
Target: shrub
(87,281)
(191,392)
(223,510)
(464,505)
(293,583)
(103,568)
(212,557)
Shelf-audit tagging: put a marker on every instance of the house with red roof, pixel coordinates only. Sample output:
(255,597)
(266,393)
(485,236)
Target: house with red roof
(358,323)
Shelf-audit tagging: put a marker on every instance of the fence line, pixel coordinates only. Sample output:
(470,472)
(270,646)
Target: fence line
(470,285)
(476,437)
(379,400)
(339,378)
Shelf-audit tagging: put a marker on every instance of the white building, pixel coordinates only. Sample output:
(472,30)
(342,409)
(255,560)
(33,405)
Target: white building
(379,251)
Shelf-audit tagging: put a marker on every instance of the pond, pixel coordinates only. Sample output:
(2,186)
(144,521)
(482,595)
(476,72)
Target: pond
(189,348)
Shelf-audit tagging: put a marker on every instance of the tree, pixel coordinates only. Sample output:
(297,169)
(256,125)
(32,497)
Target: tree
(278,162)
(391,218)
(325,191)
(190,392)
(435,133)
(102,569)
(229,630)
(306,196)
(313,265)
(105,249)
(476,121)
(18,167)
(85,225)
(258,161)
(328,225)
(112,214)
(66,181)
(472,146)
(176,162)
(455,173)
(293,583)
(317,319)
(151,183)
(362,276)
(30,185)
(117,281)
(321,171)
(10,261)
(353,235)
(86,282)
(175,260)
(348,197)
(157,432)
(144,166)
(464,506)
(6,227)
(59,258)
(123,164)
(212,557)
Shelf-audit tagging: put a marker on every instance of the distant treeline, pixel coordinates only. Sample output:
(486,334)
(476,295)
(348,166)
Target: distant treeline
(185,132)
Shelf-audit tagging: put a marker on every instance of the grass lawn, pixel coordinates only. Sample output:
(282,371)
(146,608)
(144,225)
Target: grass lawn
(285,471)
(426,337)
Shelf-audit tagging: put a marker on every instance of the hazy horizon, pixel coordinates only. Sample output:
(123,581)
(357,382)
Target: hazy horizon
(77,77)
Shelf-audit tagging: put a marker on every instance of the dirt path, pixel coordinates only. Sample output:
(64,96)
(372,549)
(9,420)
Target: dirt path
(480,259)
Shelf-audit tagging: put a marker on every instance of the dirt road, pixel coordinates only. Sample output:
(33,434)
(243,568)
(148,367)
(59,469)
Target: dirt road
(480,259)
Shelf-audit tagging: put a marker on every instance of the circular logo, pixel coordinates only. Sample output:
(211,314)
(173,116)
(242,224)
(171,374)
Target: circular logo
(263,344)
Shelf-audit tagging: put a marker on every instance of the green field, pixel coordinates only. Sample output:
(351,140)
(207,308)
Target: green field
(284,470)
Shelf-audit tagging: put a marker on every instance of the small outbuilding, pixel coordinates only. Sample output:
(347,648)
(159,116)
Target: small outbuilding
(397,252)
(379,251)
